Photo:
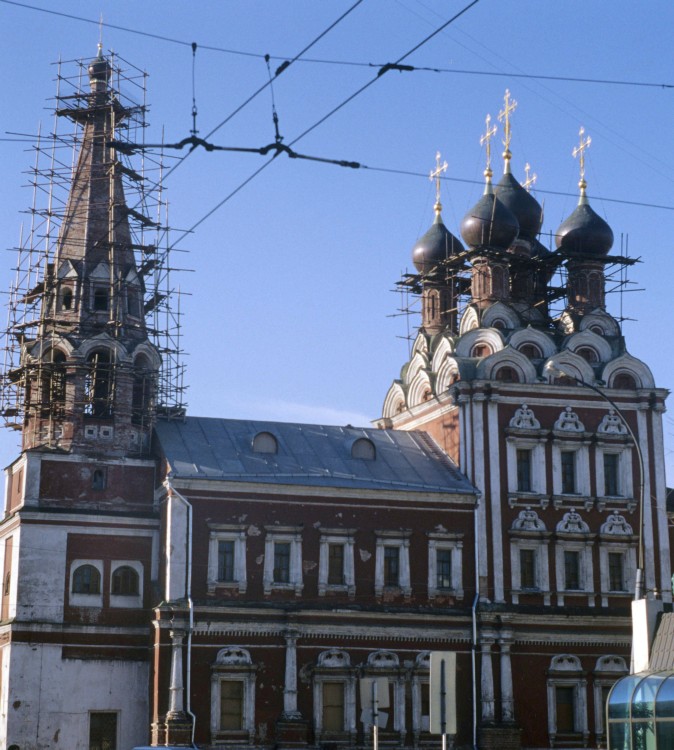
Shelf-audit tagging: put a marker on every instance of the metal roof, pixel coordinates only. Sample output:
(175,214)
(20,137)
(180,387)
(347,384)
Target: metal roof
(308,454)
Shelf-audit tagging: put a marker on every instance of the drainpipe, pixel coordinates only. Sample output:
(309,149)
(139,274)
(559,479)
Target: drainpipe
(474,611)
(172,492)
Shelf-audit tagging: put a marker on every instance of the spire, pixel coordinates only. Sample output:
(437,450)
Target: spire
(509,106)
(435,176)
(579,151)
(485,140)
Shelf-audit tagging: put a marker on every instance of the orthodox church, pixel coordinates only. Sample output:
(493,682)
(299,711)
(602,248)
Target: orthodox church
(173,580)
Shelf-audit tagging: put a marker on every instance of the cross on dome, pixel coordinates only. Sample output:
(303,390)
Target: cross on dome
(485,140)
(504,116)
(579,151)
(435,174)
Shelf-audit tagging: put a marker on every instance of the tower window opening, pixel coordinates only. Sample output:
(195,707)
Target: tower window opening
(67,299)
(588,354)
(143,391)
(98,479)
(481,350)
(531,351)
(507,375)
(625,381)
(53,384)
(99,385)
(100,299)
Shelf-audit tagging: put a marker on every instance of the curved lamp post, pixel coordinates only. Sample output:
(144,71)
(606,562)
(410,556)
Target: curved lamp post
(639,579)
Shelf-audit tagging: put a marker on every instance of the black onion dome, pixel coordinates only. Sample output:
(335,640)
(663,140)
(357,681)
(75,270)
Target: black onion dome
(522,204)
(99,68)
(489,223)
(585,232)
(435,246)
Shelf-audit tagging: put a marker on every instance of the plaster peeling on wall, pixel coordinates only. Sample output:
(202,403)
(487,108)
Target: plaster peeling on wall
(253,531)
(259,559)
(364,555)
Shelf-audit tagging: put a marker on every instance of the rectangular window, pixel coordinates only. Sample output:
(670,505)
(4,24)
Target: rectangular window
(564,698)
(568,459)
(336,564)
(571,570)
(443,568)
(425,707)
(282,562)
(333,706)
(527,569)
(231,705)
(523,470)
(391,566)
(103,731)
(616,572)
(611,474)
(226,560)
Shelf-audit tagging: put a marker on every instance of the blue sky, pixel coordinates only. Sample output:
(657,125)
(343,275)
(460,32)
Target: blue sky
(290,313)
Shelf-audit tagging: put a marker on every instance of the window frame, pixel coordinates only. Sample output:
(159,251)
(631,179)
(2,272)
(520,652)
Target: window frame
(116,714)
(334,666)
(85,600)
(283,534)
(454,544)
(329,537)
(227,533)
(581,468)
(233,664)
(585,574)
(625,486)
(127,601)
(537,476)
(401,540)
(565,672)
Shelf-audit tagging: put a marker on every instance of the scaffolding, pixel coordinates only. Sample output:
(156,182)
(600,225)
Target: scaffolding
(36,293)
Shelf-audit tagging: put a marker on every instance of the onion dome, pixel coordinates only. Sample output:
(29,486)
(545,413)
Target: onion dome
(489,223)
(526,209)
(585,231)
(99,68)
(436,245)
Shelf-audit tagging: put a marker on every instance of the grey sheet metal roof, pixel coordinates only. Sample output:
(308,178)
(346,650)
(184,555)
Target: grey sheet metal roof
(662,653)
(308,454)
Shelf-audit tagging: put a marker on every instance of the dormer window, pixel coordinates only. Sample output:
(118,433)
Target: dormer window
(364,448)
(624,381)
(265,442)
(507,375)
(588,354)
(531,351)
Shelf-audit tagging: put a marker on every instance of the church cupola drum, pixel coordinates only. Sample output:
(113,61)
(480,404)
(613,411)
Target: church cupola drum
(89,372)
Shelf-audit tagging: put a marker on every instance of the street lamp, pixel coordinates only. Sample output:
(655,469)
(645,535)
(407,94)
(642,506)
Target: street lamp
(639,579)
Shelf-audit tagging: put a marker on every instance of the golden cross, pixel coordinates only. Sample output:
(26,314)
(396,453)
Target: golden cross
(504,117)
(435,175)
(529,180)
(489,133)
(579,151)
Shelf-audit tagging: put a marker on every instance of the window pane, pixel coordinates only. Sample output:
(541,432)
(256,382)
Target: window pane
(391,566)
(611,474)
(103,731)
(282,562)
(125,581)
(568,459)
(226,560)
(333,706)
(86,580)
(231,705)
(527,569)
(616,571)
(524,470)
(443,568)
(336,564)
(425,707)
(571,569)
(565,710)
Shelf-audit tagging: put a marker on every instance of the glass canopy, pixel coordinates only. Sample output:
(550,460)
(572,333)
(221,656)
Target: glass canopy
(640,712)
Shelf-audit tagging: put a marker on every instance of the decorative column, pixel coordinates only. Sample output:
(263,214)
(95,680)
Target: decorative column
(507,710)
(290,712)
(487,679)
(178,723)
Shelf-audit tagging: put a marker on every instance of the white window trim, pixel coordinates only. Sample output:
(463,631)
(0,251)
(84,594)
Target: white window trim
(584,547)
(349,682)
(400,539)
(580,705)
(540,548)
(344,537)
(420,677)
(85,600)
(247,675)
(127,602)
(538,475)
(398,702)
(236,534)
(582,468)
(625,484)
(622,546)
(454,543)
(292,535)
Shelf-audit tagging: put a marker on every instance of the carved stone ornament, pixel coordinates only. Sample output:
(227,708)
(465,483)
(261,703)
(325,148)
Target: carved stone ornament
(524,419)
(569,422)
(334,658)
(572,523)
(233,655)
(382,660)
(565,663)
(528,520)
(612,424)
(616,525)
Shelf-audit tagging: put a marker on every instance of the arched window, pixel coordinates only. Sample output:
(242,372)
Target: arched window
(625,381)
(86,580)
(99,384)
(265,442)
(143,390)
(363,448)
(588,354)
(124,581)
(507,375)
(531,351)
(481,350)
(98,479)
(54,383)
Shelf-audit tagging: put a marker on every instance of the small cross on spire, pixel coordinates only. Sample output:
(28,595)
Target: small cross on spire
(530,180)
(435,175)
(485,140)
(509,106)
(579,151)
